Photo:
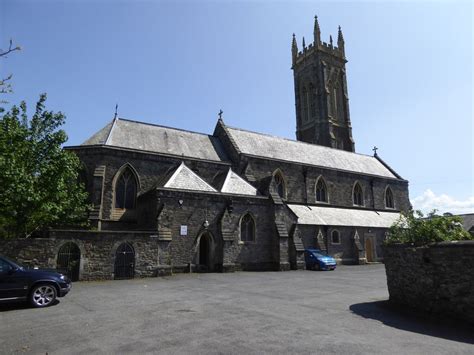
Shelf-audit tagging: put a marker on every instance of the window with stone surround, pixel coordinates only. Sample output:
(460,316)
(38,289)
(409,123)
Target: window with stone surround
(389,198)
(280,184)
(335,237)
(247,228)
(358,195)
(126,190)
(321,190)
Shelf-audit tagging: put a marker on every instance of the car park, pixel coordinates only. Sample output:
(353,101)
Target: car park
(39,287)
(318,260)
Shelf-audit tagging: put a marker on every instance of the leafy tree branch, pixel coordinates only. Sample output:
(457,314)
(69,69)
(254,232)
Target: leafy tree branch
(39,180)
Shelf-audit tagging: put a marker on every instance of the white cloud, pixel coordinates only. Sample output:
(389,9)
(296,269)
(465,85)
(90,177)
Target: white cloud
(443,203)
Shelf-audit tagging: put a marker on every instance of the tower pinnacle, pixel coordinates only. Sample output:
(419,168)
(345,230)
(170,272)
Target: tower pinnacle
(294,49)
(316,32)
(340,41)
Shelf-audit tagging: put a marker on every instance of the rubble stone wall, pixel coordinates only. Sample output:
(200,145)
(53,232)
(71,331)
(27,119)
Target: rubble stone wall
(438,278)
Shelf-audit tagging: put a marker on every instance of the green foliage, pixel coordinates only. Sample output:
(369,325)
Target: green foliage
(38,179)
(414,228)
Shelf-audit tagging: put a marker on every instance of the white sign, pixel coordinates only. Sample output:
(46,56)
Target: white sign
(184,230)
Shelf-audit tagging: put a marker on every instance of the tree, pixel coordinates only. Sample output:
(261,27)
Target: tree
(39,185)
(414,228)
(5,86)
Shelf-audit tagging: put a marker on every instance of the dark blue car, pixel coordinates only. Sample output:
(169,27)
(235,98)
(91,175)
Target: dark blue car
(39,287)
(318,260)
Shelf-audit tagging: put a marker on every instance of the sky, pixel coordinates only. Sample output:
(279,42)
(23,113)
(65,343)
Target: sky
(177,63)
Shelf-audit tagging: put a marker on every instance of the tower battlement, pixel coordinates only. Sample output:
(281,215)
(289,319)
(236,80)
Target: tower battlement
(321,98)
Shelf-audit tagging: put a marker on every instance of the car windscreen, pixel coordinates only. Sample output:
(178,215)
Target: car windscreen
(19,266)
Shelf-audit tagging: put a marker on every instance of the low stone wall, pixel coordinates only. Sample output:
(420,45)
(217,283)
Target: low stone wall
(97,252)
(437,279)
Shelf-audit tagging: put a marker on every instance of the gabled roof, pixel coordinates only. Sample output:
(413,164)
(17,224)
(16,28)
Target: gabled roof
(186,179)
(267,146)
(234,184)
(332,216)
(467,220)
(158,139)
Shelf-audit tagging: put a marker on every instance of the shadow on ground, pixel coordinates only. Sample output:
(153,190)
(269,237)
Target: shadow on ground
(13,306)
(405,319)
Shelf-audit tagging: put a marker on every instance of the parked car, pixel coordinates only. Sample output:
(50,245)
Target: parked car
(318,260)
(39,287)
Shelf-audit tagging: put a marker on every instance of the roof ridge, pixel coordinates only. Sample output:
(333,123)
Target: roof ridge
(162,126)
(111,129)
(299,142)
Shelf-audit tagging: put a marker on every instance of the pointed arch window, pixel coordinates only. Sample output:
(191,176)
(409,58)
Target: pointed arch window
(321,190)
(280,184)
(358,196)
(389,198)
(126,190)
(247,228)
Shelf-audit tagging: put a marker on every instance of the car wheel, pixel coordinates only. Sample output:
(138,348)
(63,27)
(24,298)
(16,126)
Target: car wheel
(43,295)
(317,267)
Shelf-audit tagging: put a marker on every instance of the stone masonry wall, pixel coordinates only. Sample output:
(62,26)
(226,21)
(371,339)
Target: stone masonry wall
(339,184)
(437,279)
(195,208)
(97,252)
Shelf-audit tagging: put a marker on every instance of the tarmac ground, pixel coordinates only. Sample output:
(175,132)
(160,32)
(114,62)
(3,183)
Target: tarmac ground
(334,312)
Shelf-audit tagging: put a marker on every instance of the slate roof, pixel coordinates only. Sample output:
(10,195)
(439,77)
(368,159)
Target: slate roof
(467,220)
(158,139)
(186,179)
(332,216)
(267,146)
(234,184)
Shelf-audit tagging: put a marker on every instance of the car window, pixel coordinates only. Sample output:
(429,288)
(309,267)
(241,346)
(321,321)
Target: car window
(4,267)
(12,263)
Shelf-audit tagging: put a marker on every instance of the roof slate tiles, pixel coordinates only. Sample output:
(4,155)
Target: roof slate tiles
(267,146)
(186,179)
(234,184)
(332,216)
(158,139)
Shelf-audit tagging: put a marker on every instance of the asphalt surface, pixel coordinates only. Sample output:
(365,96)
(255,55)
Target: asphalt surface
(336,312)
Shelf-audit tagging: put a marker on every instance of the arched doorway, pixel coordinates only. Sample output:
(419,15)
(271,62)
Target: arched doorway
(369,250)
(124,267)
(69,260)
(205,257)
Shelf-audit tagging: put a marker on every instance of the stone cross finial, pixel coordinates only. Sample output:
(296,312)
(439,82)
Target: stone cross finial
(220,114)
(375,150)
(116,109)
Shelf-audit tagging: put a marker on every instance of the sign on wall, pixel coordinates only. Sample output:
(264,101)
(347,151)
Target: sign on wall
(183,230)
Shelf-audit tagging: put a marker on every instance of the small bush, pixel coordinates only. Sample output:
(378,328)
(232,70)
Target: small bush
(414,228)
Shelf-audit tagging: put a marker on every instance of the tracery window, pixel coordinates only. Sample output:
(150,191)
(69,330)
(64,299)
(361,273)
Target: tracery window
(358,196)
(280,185)
(389,198)
(335,237)
(247,228)
(321,191)
(126,190)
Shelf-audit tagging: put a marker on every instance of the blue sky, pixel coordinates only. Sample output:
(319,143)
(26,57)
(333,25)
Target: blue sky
(176,63)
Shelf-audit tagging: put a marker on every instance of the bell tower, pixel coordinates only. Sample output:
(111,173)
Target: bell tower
(321,99)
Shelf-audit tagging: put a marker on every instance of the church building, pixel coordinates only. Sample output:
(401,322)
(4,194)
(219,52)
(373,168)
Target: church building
(170,200)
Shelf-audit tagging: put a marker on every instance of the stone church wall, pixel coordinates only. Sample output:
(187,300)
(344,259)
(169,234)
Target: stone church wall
(149,168)
(339,184)
(344,252)
(231,252)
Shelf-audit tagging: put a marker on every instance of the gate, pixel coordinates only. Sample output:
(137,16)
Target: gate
(69,259)
(124,262)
